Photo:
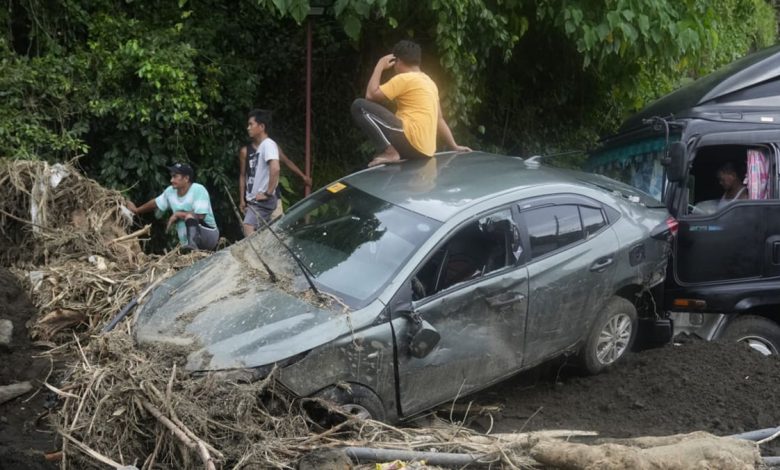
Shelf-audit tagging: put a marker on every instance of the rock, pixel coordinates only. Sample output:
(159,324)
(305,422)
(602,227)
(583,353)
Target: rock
(9,392)
(6,332)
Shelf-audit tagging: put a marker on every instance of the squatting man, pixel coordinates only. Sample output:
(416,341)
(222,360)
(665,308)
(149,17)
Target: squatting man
(190,205)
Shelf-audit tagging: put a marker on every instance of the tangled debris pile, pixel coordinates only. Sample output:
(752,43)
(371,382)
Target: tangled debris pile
(120,406)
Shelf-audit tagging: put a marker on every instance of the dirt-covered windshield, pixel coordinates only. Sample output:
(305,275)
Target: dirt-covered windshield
(351,242)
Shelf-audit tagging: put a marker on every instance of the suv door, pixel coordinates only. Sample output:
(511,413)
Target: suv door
(473,292)
(573,253)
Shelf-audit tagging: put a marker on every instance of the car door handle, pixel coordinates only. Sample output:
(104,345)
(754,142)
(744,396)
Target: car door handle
(504,299)
(601,264)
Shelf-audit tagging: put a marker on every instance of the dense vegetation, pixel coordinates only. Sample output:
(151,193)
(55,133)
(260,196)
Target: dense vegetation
(132,85)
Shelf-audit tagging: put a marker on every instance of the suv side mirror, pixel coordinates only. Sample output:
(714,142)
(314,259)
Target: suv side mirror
(675,163)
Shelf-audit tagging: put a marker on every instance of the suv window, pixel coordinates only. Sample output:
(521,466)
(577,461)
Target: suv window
(476,249)
(553,227)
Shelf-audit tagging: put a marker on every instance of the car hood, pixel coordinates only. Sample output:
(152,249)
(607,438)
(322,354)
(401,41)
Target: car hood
(224,313)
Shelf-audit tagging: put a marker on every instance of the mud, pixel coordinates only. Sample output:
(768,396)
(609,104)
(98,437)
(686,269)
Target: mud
(24,431)
(722,388)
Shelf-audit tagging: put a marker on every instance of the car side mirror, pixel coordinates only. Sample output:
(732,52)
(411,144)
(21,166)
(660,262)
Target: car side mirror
(424,339)
(675,162)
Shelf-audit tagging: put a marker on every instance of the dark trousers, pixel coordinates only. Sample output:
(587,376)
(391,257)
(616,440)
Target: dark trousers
(383,128)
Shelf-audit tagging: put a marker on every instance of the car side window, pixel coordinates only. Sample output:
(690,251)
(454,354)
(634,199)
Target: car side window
(592,220)
(476,249)
(553,227)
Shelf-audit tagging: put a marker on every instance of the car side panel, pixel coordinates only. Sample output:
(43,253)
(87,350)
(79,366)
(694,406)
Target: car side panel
(364,357)
(633,233)
(481,328)
(565,295)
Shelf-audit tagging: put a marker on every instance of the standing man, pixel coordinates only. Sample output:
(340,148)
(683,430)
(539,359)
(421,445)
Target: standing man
(242,162)
(411,132)
(191,207)
(260,176)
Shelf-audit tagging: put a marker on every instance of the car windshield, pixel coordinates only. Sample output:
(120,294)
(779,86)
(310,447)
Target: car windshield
(352,242)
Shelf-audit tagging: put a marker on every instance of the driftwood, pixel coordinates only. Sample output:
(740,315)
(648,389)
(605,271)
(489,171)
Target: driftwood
(681,452)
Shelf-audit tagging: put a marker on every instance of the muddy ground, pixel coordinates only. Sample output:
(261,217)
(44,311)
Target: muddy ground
(690,385)
(24,434)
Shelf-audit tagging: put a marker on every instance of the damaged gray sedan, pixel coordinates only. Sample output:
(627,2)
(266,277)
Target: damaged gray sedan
(403,286)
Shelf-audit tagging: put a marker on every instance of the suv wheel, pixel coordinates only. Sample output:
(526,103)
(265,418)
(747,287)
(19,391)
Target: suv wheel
(761,334)
(611,337)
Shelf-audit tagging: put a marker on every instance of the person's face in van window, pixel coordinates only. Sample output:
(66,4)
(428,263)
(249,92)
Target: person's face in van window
(728,180)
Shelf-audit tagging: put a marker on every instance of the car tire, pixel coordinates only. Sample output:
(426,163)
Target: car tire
(355,400)
(611,337)
(762,334)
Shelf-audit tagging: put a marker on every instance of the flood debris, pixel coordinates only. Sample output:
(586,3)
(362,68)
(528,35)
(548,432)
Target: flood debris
(128,407)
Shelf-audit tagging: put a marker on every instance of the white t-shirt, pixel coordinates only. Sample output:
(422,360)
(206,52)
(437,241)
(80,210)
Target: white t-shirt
(258,172)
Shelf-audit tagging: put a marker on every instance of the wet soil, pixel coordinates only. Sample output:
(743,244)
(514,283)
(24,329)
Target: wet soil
(690,385)
(24,432)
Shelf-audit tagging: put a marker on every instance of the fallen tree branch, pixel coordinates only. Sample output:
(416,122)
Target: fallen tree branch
(95,455)
(198,446)
(146,230)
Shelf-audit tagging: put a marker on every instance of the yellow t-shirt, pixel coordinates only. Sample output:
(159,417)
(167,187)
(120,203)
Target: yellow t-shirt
(418,108)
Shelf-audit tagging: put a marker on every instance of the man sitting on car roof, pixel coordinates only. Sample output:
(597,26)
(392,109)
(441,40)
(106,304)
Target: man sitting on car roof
(411,132)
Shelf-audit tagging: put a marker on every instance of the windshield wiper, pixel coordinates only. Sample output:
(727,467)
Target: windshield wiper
(271,274)
(306,273)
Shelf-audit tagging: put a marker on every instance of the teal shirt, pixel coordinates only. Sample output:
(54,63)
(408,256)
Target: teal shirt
(196,200)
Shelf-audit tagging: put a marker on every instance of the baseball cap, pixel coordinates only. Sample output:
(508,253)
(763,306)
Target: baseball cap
(181,169)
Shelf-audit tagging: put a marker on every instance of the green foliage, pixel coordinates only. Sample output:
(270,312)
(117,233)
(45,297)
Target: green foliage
(132,86)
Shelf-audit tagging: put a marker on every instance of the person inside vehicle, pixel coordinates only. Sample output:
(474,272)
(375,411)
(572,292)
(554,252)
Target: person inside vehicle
(411,132)
(731,181)
(191,207)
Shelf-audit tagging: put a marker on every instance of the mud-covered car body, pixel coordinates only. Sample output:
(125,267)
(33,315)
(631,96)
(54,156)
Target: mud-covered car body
(437,278)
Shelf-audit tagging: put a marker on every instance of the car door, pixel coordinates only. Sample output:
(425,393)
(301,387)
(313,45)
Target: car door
(572,257)
(473,292)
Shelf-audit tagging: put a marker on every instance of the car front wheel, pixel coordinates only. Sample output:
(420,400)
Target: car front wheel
(611,337)
(355,400)
(759,333)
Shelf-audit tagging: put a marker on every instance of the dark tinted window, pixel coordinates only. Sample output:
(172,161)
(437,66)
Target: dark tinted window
(552,227)
(592,220)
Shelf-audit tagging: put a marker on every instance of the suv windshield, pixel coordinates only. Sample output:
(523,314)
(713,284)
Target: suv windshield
(352,242)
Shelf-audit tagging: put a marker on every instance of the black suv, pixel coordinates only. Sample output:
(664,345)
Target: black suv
(710,151)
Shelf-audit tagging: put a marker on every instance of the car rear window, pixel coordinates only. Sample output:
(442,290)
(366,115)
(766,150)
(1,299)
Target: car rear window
(552,227)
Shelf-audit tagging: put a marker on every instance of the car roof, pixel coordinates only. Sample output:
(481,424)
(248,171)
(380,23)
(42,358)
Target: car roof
(448,183)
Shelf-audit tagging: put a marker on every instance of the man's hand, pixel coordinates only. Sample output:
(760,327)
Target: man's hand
(260,197)
(386,62)
(306,180)
(242,206)
(171,220)
(461,148)
(132,207)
